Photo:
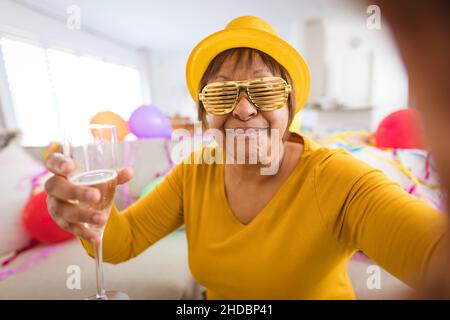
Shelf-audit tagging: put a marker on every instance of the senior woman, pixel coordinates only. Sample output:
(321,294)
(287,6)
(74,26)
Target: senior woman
(286,235)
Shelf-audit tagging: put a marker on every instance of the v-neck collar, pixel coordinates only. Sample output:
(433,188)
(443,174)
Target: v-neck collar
(295,137)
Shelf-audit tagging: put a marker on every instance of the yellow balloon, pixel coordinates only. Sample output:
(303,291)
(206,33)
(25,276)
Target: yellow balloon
(296,123)
(109,117)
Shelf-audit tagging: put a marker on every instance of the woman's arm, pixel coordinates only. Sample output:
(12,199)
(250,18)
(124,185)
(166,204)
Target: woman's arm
(152,217)
(366,210)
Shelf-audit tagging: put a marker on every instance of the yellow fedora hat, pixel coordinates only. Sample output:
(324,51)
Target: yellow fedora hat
(251,32)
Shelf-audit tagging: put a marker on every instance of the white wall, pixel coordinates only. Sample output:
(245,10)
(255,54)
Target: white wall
(20,22)
(390,80)
(168,70)
(163,70)
(356,66)
(315,53)
(168,82)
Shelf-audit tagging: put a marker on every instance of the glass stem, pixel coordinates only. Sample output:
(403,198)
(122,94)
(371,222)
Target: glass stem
(98,255)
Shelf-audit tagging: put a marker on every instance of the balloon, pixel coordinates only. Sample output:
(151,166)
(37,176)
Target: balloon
(296,123)
(38,222)
(151,185)
(108,117)
(149,122)
(401,129)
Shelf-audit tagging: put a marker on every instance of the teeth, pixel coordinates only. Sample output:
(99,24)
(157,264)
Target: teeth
(248,132)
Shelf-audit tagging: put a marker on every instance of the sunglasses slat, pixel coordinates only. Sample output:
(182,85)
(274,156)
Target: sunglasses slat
(272,103)
(268,99)
(258,89)
(223,105)
(219,93)
(267,83)
(268,94)
(268,103)
(221,84)
(274,90)
(227,98)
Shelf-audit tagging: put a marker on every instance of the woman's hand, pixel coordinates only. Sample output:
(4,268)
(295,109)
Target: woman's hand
(61,196)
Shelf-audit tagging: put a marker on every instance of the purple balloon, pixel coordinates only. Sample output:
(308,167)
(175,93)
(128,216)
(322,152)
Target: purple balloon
(149,122)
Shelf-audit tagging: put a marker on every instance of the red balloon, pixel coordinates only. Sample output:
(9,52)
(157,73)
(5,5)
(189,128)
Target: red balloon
(38,222)
(401,129)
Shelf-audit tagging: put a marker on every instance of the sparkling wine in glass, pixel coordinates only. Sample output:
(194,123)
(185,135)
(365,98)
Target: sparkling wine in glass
(94,150)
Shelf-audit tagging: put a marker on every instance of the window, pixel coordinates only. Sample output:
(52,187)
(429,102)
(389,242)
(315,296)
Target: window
(51,88)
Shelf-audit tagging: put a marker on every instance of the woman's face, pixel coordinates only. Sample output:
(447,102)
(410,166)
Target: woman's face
(245,116)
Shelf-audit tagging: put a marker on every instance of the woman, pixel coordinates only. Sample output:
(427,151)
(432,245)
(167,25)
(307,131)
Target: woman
(285,235)
(427,25)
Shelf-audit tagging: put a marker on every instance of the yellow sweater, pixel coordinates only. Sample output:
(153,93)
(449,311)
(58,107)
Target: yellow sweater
(299,245)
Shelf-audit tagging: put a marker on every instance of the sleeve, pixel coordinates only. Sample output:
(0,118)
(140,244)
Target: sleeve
(152,217)
(366,210)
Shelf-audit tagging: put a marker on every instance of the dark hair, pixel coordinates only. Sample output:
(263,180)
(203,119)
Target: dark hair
(276,69)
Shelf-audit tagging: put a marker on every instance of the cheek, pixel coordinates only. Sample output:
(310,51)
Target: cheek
(216,122)
(278,119)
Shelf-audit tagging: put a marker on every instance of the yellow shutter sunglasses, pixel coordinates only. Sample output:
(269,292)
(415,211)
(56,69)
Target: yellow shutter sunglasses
(266,94)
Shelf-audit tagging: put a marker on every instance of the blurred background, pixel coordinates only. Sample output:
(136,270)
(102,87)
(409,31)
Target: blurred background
(65,62)
(129,53)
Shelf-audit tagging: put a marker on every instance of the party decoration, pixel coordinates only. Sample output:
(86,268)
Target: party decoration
(412,169)
(401,129)
(151,185)
(15,254)
(38,222)
(149,122)
(53,147)
(108,117)
(34,259)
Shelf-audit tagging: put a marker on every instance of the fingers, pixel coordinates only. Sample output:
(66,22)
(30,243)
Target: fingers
(64,213)
(71,217)
(60,188)
(124,175)
(59,164)
(83,232)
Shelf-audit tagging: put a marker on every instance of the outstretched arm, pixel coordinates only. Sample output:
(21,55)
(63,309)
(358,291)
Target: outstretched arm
(152,217)
(369,212)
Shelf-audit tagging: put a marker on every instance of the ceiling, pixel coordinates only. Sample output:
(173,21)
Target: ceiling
(181,24)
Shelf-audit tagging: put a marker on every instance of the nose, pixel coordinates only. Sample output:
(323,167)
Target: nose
(244,109)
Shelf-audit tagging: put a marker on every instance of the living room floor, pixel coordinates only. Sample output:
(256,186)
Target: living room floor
(161,272)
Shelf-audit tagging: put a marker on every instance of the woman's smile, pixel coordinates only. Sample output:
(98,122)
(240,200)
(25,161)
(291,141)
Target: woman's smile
(248,130)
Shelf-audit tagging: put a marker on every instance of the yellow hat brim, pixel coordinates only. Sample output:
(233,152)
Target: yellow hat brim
(268,43)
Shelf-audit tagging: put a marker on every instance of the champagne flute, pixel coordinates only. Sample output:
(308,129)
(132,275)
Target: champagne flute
(93,149)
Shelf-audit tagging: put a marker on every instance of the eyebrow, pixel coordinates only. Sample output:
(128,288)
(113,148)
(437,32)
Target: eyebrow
(262,70)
